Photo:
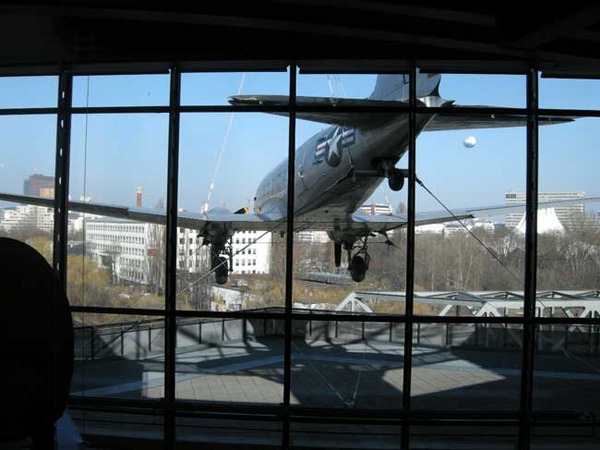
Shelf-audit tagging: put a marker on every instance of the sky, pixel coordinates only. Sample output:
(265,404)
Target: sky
(113,154)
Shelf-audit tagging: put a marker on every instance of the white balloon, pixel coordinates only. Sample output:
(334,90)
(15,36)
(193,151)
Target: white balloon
(470,142)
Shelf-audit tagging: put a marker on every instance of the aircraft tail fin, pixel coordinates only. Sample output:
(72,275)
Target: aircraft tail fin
(395,86)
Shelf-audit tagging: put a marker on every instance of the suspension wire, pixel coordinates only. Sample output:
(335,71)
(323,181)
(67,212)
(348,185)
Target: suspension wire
(339,80)
(353,403)
(473,235)
(219,265)
(107,344)
(82,292)
(315,368)
(420,262)
(85,148)
(220,154)
(563,350)
(331,91)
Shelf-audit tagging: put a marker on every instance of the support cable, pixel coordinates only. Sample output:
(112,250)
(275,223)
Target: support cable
(473,235)
(220,154)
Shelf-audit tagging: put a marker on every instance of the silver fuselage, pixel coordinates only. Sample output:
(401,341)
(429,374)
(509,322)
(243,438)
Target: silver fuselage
(325,191)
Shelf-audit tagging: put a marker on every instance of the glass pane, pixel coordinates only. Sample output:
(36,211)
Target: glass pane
(566,359)
(465,240)
(27,162)
(489,90)
(238,260)
(228,433)
(348,211)
(564,429)
(230,360)
(474,437)
(99,429)
(341,364)
(466,366)
(121,90)
(28,92)
(118,356)
(565,380)
(354,434)
(569,93)
(336,85)
(216,88)
(118,160)
(569,229)
(348,214)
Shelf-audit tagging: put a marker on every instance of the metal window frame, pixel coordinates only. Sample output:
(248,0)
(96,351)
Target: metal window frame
(405,417)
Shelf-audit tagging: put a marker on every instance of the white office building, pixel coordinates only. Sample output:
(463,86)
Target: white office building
(448,229)
(251,252)
(312,237)
(121,246)
(128,249)
(377,208)
(28,216)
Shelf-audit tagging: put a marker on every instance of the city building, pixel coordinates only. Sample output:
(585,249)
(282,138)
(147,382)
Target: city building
(377,208)
(120,246)
(39,185)
(28,216)
(565,214)
(312,237)
(547,222)
(251,252)
(450,228)
(127,248)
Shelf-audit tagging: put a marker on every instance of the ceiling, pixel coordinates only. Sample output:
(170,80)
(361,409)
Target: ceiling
(352,35)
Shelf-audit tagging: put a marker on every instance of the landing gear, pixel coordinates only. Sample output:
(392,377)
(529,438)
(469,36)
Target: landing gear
(357,255)
(357,268)
(220,264)
(337,253)
(217,236)
(358,258)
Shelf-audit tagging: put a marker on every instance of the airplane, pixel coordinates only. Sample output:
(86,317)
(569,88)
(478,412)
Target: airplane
(336,171)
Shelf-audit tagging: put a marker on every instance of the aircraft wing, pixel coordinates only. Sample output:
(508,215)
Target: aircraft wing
(441,121)
(360,221)
(195,221)
(382,222)
(460,121)
(327,117)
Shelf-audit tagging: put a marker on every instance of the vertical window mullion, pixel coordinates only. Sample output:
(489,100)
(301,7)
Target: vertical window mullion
(61,178)
(289,259)
(530,260)
(410,257)
(171,257)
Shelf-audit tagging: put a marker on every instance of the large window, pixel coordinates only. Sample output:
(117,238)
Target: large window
(409,294)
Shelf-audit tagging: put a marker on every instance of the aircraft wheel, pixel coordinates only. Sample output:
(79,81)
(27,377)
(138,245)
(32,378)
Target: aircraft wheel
(358,268)
(396,180)
(337,253)
(221,272)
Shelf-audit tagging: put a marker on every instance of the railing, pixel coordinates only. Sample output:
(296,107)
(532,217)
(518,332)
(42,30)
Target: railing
(146,338)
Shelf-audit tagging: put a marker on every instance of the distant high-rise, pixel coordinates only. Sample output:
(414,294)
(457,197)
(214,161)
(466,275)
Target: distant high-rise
(564,213)
(138,191)
(39,185)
